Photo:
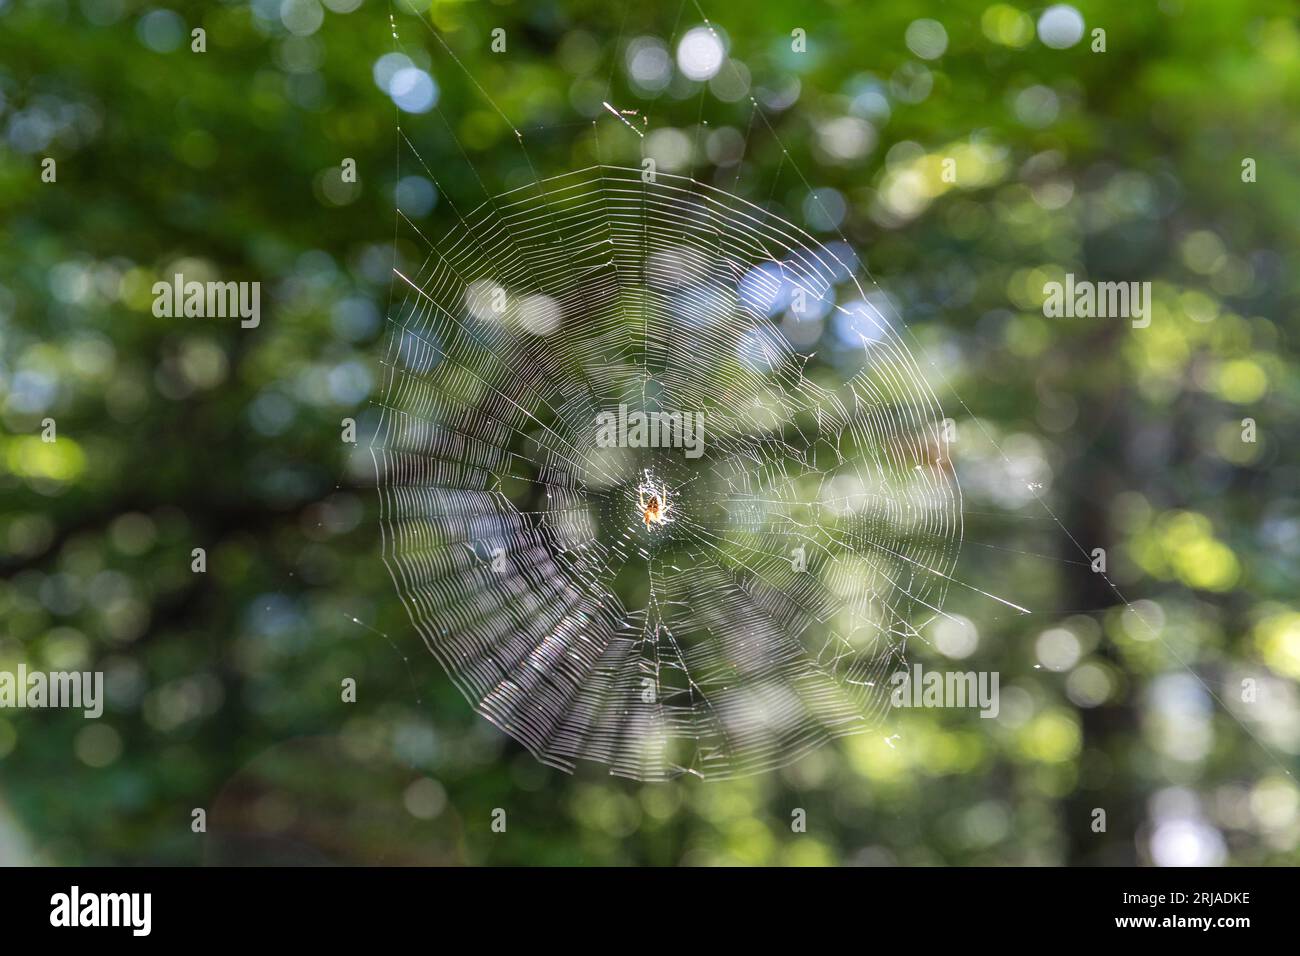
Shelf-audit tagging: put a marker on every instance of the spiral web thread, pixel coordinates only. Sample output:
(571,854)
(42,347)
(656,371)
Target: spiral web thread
(806,545)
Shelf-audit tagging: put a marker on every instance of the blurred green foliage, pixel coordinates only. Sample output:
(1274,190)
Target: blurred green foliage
(182,433)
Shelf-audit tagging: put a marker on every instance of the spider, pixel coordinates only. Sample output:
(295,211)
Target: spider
(654,510)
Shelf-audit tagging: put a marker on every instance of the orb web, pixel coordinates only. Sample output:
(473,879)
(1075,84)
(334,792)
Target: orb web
(812,515)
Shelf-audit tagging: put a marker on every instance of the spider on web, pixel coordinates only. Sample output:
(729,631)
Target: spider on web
(655,508)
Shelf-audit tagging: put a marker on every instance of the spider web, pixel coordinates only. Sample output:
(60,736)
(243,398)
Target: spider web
(809,541)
